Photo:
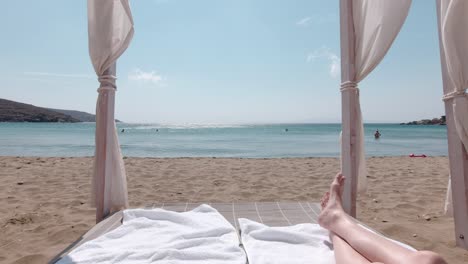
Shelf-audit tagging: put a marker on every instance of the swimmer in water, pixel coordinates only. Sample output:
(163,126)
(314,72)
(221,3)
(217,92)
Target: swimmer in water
(377,134)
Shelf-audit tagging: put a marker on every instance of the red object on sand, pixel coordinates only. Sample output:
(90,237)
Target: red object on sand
(417,156)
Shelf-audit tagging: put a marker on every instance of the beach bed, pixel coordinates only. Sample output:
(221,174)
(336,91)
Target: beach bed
(268,213)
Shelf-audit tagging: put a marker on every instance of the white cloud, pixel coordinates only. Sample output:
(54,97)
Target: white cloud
(304,22)
(332,59)
(146,77)
(60,75)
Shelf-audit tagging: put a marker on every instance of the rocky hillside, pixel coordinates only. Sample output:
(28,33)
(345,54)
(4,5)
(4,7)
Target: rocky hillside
(11,111)
(434,121)
(82,116)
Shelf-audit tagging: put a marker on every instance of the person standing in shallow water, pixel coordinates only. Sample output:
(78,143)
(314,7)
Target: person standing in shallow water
(354,244)
(377,134)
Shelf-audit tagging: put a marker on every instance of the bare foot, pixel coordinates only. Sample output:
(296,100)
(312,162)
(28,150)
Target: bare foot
(324,200)
(332,209)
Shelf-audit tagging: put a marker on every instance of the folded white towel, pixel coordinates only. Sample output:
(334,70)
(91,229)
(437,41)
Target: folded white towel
(298,244)
(149,236)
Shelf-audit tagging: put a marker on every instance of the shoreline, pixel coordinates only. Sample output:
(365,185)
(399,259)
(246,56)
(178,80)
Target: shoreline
(214,157)
(44,201)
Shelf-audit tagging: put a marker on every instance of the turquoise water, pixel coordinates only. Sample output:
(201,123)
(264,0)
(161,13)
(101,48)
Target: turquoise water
(142,140)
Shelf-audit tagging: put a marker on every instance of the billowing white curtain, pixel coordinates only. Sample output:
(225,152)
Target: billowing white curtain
(110,30)
(454,34)
(376,25)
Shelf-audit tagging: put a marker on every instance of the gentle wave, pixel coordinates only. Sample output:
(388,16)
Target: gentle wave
(180,126)
(218,140)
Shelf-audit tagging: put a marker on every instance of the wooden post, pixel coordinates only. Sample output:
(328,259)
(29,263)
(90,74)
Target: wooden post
(349,165)
(458,157)
(103,121)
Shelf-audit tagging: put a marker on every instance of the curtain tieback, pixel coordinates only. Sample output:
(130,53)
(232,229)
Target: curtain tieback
(453,95)
(107,83)
(349,86)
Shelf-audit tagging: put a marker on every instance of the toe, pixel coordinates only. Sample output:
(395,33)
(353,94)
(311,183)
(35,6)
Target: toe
(324,200)
(341,179)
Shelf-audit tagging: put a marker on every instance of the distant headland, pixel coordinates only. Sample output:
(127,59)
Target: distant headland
(11,111)
(434,121)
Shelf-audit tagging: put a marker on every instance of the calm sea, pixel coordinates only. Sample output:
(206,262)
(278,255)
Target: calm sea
(143,140)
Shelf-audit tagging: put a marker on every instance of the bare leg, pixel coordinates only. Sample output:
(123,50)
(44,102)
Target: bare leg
(370,245)
(344,253)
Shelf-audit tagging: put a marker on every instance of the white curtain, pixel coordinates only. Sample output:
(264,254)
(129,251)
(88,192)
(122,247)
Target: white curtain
(376,25)
(110,30)
(454,31)
(448,207)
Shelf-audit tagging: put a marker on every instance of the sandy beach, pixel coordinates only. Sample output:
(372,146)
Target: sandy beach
(44,202)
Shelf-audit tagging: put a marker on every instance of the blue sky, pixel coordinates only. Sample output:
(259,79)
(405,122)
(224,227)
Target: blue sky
(212,61)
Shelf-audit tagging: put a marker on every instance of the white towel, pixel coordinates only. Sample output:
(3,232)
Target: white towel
(159,236)
(298,244)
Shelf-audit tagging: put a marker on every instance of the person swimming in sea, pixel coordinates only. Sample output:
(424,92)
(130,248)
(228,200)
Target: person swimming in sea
(377,134)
